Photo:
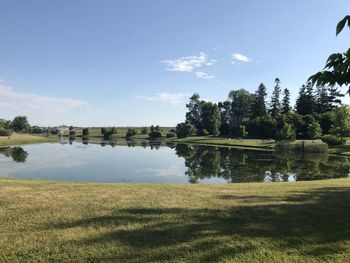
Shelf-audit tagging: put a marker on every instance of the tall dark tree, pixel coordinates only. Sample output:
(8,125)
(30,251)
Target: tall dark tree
(211,118)
(225,111)
(20,123)
(275,105)
(193,116)
(306,103)
(259,104)
(286,101)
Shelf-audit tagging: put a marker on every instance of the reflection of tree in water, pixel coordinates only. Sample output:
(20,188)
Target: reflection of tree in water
(16,153)
(235,165)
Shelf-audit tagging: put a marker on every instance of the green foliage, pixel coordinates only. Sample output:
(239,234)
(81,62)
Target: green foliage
(332,139)
(155,135)
(5,132)
(204,132)
(342,23)
(242,131)
(35,130)
(194,113)
(259,104)
(107,132)
(306,102)
(286,133)
(275,105)
(171,135)
(286,101)
(241,104)
(71,133)
(211,117)
(341,124)
(315,130)
(131,132)
(336,70)
(85,132)
(20,124)
(185,129)
(144,131)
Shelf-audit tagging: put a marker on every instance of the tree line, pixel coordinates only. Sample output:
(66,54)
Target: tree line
(317,112)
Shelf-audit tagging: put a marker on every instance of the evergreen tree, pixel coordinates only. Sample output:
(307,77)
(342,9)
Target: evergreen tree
(259,104)
(275,106)
(322,100)
(306,103)
(286,101)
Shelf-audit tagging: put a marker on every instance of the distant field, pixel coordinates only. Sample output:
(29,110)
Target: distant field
(121,131)
(259,222)
(19,139)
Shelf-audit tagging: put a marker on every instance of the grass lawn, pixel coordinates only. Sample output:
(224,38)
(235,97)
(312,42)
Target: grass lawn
(72,222)
(19,139)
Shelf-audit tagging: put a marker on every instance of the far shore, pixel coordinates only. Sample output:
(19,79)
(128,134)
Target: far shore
(251,144)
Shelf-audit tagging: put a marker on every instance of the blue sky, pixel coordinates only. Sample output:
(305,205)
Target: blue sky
(135,63)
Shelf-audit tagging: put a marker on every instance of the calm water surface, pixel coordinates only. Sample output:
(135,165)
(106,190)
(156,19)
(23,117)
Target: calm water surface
(142,162)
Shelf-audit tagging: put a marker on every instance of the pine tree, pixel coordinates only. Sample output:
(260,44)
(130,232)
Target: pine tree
(306,103)
(259,104)
(275,107)
(286,101)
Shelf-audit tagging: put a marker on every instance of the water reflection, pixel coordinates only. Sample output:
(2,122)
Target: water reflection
(157,162)
(234,165)
(17,154)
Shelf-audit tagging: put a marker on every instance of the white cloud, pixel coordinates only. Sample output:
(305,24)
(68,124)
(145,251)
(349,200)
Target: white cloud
(240,58)
(188,64)
(203,75)
(172,98)
(20,102)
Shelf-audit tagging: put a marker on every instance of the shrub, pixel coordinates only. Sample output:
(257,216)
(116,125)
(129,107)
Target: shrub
(205,132)
(144,131)
(155,134)
(85,132)
(131,132)
(184,130)
(107,132)
(332,139)
(5,132)
(71,133)
(170,135)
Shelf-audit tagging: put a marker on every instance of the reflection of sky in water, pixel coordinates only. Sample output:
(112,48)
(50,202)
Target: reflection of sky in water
(78,162)
(92,162)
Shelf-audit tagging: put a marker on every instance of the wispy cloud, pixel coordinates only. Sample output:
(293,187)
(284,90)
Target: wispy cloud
(188,64)
(236,57)
(171,98)
(21,102)
(203,75)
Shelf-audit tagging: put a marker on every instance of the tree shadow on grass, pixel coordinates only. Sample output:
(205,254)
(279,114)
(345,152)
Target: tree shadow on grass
(312,224)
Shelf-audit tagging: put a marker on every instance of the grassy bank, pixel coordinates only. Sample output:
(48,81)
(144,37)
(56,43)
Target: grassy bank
(222,141)
(20,139)
(70,222)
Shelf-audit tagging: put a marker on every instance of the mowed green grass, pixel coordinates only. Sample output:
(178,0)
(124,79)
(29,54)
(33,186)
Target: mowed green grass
(20,139)
(74,222)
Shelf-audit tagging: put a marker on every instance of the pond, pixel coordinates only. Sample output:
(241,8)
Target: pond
(131,161)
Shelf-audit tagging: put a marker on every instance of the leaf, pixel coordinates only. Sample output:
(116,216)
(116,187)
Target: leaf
(342,23)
